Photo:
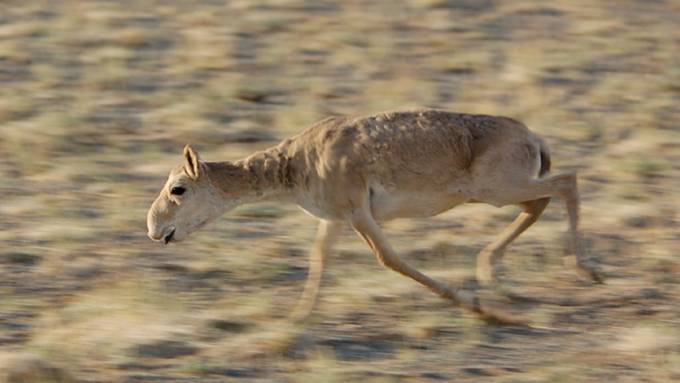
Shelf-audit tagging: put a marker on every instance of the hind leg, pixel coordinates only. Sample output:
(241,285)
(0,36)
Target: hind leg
(488,258)
(565,187)
(577,258)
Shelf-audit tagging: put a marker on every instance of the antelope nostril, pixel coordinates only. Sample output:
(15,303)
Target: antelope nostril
(169,237)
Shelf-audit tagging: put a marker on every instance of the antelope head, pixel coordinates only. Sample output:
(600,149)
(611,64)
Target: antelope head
(188,201)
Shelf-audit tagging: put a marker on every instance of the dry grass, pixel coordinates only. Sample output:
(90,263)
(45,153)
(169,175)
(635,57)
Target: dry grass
(97,99)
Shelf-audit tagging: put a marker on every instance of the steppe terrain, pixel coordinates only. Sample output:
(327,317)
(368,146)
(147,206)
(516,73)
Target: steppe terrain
(97,99)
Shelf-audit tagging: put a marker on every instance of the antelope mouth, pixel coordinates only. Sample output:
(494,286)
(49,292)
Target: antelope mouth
(169,237)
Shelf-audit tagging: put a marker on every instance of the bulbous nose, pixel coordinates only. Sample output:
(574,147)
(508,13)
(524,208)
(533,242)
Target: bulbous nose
(154,236)
(155,230)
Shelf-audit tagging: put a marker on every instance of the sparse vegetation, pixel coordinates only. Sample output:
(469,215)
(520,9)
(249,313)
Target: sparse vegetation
(98,98)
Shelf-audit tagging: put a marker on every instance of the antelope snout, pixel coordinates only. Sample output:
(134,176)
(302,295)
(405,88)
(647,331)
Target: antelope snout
(154,236)
(166,235)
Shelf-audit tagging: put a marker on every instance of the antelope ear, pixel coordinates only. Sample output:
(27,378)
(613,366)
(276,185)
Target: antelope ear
(191,166)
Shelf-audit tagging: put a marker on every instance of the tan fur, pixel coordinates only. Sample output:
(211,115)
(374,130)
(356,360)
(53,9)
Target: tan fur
(369,169)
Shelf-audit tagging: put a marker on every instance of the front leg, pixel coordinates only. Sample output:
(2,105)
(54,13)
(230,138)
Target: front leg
(326,236)
(364,224)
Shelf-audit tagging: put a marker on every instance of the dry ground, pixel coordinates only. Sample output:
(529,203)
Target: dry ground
(97,98)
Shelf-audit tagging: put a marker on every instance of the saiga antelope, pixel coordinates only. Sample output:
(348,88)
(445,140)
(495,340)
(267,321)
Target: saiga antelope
(371,169)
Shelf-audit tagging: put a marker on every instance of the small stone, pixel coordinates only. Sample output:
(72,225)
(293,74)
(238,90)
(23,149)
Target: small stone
(22,258)
(229,326)
(166,349)
(477,371)
(638,222)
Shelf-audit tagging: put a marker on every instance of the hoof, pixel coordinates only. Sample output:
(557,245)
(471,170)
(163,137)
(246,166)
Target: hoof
(487,275)
(486,279)
(501,318)
(585,270)
(493,309)
(590,273)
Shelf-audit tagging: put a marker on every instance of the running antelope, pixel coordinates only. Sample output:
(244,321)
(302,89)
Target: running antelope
(371,169)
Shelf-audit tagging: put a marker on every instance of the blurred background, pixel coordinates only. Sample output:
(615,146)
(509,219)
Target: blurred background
(97,99)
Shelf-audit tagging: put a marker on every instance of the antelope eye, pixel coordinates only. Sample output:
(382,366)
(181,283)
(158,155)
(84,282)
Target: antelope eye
(177,190)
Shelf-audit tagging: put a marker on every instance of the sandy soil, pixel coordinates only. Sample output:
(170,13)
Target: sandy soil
(98,98)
